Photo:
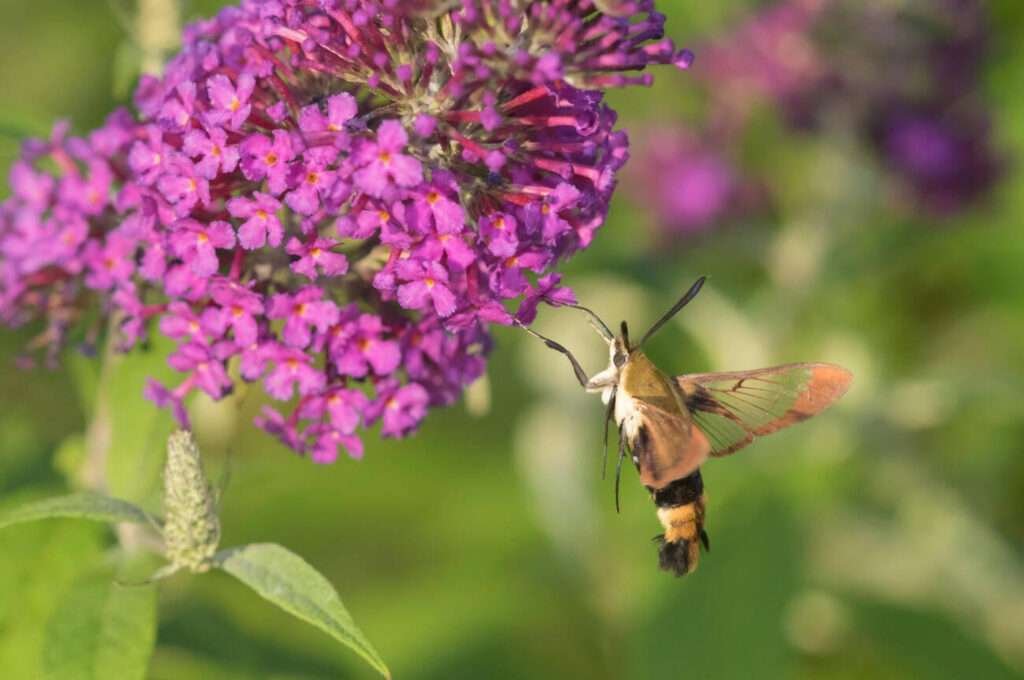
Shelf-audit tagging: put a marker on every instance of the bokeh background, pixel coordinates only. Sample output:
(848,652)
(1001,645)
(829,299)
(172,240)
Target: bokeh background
(849,175)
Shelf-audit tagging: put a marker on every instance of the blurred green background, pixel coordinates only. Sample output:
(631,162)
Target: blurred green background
(884,539)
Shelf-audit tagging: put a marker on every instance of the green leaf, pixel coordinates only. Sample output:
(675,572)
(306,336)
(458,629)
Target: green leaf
(80,505)
(101,630)
(287,580)
(39,562)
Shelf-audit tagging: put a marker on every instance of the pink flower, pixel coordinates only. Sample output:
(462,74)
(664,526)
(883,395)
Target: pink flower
(426,283)
(261,225)
(230,102)
(384,163)
(196,243)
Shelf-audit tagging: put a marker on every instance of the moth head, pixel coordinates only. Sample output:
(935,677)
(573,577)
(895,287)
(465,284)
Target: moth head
(619,352)
(619,348)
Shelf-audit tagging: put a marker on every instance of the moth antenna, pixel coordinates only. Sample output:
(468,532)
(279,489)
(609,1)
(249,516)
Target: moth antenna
(609,412)
(581,375)
(625,334)
(618,470)
(683,301)
(596,323)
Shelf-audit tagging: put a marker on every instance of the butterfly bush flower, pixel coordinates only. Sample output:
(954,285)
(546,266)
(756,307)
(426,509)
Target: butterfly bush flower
(688,185)
(334,198)
(905,77)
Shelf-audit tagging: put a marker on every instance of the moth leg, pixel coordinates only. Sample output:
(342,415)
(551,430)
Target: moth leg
(618,468)
(705,541)
(609,412)
(581,375)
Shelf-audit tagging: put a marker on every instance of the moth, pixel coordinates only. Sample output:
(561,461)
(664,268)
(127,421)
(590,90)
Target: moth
(671,425)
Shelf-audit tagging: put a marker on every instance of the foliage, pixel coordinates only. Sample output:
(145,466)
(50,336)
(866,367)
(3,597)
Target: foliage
(103,627)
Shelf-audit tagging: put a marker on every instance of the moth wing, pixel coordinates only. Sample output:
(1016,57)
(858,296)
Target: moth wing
(731,409)
(667,446)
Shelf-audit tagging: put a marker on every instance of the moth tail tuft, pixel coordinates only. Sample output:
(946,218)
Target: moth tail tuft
(679,557)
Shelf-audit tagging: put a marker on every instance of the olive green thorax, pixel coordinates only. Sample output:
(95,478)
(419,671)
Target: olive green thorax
(641,379)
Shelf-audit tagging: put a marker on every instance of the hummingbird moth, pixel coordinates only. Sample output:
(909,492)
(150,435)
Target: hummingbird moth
(671,425)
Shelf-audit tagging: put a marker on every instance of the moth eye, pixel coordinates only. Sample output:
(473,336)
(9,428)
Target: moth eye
(619,359)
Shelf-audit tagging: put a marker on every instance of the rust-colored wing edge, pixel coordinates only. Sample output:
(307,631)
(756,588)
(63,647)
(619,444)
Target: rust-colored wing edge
(828,383)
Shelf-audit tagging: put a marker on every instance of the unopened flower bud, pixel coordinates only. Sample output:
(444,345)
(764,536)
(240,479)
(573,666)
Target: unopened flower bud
(191,526)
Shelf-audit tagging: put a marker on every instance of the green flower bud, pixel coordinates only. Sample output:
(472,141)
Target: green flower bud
(191,525)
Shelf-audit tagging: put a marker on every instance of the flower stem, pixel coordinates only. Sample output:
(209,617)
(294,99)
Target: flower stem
(156,30)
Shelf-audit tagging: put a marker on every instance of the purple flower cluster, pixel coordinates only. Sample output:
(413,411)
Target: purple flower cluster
(928,121)
(335,198)
(904,76)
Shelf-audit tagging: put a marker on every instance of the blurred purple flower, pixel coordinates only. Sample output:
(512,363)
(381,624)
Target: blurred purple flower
(905,77)
(771,55)
(946,162)
(688,186)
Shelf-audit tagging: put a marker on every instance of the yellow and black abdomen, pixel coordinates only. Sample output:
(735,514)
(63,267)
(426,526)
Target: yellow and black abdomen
(681,511)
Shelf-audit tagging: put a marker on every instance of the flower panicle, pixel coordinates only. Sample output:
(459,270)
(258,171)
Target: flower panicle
(336,199)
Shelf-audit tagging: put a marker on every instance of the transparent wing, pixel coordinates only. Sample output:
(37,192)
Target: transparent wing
(733,408)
